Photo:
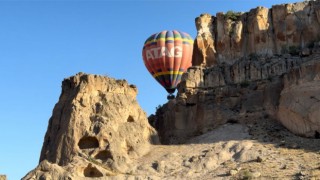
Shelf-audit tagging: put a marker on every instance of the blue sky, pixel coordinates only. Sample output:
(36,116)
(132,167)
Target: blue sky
(43,42)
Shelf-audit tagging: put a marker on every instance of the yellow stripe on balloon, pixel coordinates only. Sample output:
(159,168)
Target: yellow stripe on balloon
(168,39)
(168,73)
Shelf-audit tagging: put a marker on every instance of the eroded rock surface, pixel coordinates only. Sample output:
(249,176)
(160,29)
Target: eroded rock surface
(299,107)
(286,28)
(284,87)
(264,60)
(263,150)
(97,128)
(204,42)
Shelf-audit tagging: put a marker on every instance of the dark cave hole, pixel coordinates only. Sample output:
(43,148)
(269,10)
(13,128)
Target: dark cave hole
(88,142)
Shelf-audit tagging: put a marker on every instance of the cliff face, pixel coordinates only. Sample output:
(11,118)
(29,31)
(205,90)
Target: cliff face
(225,38)
(264,62)
(299,106)
(97,128)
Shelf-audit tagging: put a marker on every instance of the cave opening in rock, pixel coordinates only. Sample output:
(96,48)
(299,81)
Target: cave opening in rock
(88,142)
(96,128)
(130,119)
(317,135)
(232,121)
(91,171)
(104,155)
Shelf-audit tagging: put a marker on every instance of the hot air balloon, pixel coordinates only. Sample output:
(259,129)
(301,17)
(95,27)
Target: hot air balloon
(167,55)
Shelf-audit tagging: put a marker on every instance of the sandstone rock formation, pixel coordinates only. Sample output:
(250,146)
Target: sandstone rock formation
(299,107)
(263,61)
(97,128)
(3,177)
(285,28)
(283,87)
(204,42)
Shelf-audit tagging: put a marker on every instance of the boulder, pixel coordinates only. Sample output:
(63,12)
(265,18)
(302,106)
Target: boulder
(299,108)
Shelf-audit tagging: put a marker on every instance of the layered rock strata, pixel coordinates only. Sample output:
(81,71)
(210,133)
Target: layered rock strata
(265,60)
(282,87)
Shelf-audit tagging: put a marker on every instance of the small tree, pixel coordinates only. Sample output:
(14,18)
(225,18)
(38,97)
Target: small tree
(232,15)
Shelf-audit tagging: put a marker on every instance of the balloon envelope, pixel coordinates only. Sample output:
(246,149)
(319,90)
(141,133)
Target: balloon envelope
(167,55)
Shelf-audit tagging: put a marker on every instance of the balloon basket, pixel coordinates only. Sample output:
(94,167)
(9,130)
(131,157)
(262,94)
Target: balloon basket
(170,96)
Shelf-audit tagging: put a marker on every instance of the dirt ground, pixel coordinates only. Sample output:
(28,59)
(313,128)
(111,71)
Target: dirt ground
(260,148)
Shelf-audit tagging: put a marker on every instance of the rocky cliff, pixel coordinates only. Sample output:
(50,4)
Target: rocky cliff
(285,28)
(264,61)
(3,177)
(97,128)
(299,104)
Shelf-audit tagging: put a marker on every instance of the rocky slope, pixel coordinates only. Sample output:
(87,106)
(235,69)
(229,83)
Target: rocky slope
(232,151)
(254,150)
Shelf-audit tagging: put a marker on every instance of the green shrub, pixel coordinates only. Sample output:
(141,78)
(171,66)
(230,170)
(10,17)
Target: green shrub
(158,107)
(232,15)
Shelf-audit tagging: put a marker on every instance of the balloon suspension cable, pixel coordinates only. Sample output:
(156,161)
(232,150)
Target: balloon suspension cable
(170,96)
